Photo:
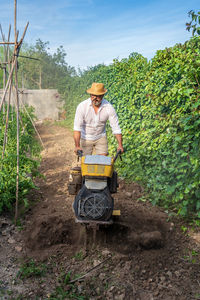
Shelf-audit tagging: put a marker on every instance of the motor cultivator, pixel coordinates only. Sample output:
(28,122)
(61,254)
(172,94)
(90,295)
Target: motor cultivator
(93,183)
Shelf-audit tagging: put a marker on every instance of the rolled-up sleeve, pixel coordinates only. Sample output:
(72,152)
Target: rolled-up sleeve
(78,120)
(114,122)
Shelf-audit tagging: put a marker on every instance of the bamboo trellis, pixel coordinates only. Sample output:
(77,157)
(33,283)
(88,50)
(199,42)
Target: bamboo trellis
(10,84)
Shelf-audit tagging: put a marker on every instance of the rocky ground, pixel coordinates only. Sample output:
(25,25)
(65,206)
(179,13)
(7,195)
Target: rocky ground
(144,255)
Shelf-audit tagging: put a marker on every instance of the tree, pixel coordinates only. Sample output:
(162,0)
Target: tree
(194,24)
(45,70)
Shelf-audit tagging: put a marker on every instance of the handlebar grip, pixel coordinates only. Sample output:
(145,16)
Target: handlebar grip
(80,153)
(117,154)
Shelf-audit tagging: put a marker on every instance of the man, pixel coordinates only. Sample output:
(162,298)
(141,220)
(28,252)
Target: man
(90,123)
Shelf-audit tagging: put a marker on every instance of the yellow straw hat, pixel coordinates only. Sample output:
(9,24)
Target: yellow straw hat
(97,89)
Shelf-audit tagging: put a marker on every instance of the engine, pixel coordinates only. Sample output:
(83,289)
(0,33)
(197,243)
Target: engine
(93,204)
(93,188)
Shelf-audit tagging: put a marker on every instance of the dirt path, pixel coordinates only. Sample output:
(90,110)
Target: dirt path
(144,256)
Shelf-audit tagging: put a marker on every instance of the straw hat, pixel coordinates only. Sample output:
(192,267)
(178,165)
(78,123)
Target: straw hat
(97,89)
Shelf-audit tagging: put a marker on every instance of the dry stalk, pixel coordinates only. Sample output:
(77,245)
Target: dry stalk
(89,271)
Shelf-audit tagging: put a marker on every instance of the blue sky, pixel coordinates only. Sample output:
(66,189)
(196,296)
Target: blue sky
(94,31)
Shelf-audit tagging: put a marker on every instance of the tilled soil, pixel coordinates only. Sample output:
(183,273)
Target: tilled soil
(144,255)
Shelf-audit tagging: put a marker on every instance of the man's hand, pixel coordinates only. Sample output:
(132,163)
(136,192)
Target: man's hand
(120,148)
(77,148)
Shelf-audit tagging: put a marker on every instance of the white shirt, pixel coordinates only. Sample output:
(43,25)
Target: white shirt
(93,125)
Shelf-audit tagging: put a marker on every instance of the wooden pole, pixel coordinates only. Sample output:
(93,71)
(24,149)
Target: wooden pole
(15,20)
(16,53)
(22,38)
(7,43)
(4,69)
(9,77)
(3,37)
(8,82)
(18,128)
(7,119)
(9,68)
(6,63)
(17,108)
(8,48)
(4,84)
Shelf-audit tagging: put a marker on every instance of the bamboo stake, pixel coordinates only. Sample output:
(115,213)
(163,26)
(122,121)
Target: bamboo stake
(7,43)
(4,84)
(7,119)
(15,20)
(8,48)
(18,128)
(9,78)
(9,67)
(15,105)
(8,82)
(6,63)
(3,37)
(23,35)
(12,69)
(4,69)
(16,53)
(17,108)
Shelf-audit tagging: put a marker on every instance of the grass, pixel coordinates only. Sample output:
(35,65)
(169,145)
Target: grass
(192,256)
(65,290)
(79,256)
(31,269)
(62,294)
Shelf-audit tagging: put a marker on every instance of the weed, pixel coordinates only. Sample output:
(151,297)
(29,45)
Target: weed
(19,224)
(62,294)
(66,290)
(67,278)
(170,214)
(192,256)
(184,229)
(106,286)
(105,268)
(9,292)
(143,199)
(79,256)
(194,253)
(197,223)
(30,269)
(64,278)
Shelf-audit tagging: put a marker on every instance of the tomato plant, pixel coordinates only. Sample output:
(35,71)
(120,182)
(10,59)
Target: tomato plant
(29,150)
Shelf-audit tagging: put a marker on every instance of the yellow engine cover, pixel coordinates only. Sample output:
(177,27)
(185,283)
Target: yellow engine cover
(96,169)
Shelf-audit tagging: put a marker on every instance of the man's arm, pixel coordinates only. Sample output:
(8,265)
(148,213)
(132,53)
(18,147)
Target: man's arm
(77,128)
(119,140)
(114,123)
(77,138)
